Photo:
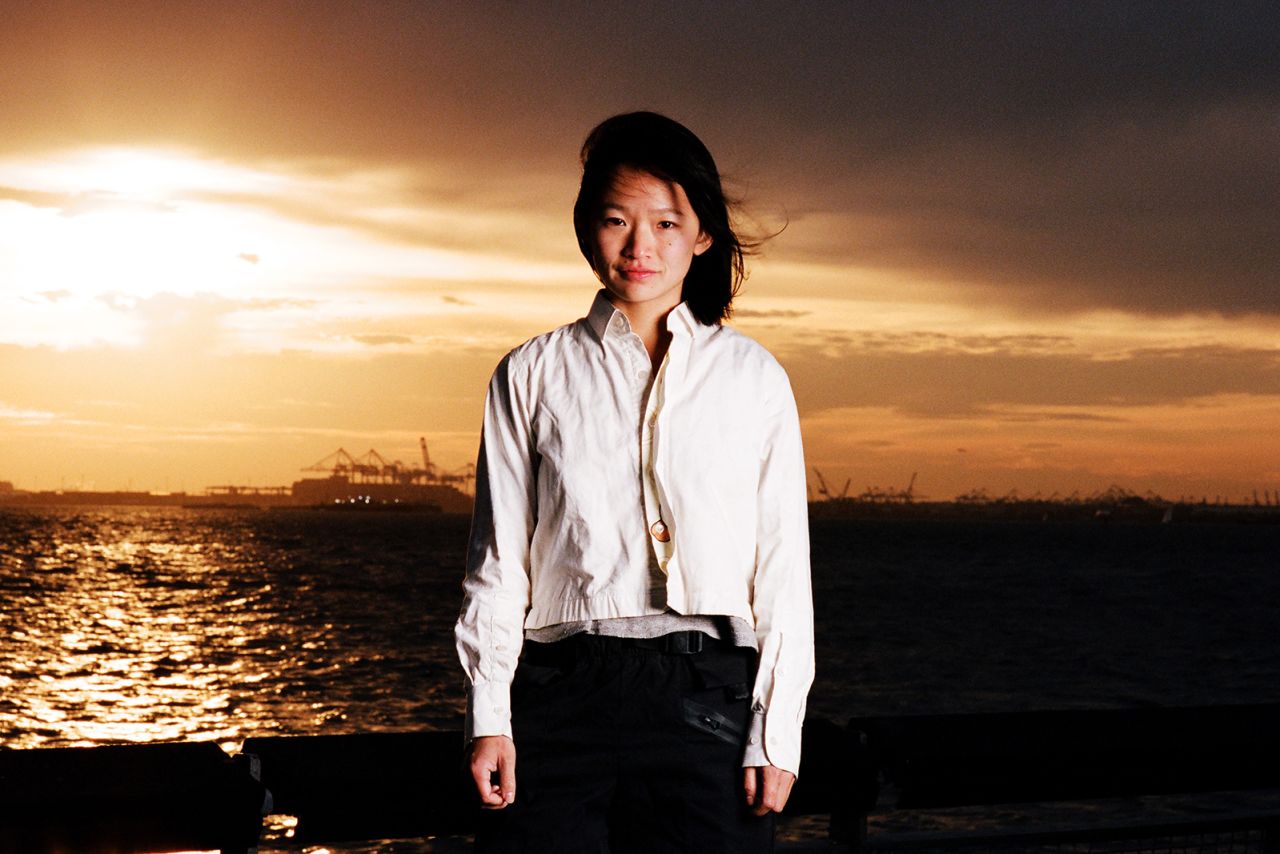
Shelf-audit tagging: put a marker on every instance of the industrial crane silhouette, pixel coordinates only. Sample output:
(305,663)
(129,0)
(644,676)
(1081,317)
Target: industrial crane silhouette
(372,467)
(826,493)
(872,494)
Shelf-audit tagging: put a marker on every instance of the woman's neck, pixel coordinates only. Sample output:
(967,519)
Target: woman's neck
(650,323)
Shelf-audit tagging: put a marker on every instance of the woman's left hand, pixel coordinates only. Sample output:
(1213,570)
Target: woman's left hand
(767,788)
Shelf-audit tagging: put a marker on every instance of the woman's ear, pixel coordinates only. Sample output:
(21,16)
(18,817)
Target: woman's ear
(702,244)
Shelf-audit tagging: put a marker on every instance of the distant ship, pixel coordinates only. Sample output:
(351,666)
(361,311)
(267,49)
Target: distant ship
(369,482)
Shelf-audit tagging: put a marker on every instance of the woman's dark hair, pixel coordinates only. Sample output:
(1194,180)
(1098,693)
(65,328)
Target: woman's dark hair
(666,149)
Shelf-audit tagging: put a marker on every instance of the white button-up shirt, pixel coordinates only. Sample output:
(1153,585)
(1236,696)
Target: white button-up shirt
(561,530)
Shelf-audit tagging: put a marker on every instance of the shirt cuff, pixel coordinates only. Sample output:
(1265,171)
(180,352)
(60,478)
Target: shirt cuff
(754,754)
(772,740)
(488,710)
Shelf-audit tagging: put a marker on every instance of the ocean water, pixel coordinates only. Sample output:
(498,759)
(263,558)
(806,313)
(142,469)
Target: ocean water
(932,617)
(150,624)
(121,624)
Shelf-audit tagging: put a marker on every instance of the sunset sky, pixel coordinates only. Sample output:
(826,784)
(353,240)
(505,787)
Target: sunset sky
(1027,246)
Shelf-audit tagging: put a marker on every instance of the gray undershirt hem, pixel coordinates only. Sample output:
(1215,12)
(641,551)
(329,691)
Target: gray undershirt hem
(734,629)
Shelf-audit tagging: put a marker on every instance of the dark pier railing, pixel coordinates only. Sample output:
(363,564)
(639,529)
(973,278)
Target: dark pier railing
(124,798)
(945,761)
(192,796)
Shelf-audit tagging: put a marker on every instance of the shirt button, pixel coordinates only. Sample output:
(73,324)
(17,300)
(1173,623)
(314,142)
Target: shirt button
(755,739)
(499,647)
(660,531)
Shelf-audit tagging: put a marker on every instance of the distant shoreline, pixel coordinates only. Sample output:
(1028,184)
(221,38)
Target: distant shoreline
(1128,510)
(335,492)
(1138,511)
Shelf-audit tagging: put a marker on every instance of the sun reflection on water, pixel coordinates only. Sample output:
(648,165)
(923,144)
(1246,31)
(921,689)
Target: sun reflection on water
(130,626)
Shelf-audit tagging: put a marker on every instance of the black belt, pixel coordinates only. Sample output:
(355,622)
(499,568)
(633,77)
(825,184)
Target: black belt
(676,643)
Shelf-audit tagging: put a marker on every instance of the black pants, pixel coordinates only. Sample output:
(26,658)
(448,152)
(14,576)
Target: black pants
(626,748)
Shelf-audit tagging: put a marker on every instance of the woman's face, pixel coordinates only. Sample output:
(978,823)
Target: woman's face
(643,240)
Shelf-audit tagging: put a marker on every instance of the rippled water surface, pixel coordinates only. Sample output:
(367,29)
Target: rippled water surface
(158,624)
(142,625)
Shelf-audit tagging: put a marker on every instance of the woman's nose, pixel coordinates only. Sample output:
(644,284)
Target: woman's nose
(638,242)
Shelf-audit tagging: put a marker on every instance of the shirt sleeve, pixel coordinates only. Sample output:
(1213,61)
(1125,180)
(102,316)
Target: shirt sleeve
(489,631)
(782,598)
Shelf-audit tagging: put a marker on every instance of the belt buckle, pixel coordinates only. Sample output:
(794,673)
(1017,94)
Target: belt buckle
(685,643)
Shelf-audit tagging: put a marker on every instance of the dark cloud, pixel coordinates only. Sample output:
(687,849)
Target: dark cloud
(1018,386)
(1055,155)
(915,341)
(1171,217)
(339,76)
(382,340)
(474,224)
(777,313)
(1031,416)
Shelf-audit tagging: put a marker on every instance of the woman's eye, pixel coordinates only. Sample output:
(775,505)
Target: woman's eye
(666,223)
(613,220)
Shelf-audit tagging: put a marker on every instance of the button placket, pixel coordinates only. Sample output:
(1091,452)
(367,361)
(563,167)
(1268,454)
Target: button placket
(659,528)
(640,360)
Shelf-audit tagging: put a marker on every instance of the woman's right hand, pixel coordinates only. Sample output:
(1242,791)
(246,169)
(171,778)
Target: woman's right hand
(490,753)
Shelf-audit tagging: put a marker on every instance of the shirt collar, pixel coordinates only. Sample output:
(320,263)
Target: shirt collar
(601,314)
(682,322)
(679,322)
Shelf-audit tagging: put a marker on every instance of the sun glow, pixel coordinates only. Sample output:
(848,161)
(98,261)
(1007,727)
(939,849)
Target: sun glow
(136,250)
(140,174)
(88,238)
(127,223)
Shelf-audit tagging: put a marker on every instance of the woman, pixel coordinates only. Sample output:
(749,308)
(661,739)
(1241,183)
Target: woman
(637,625)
